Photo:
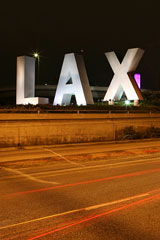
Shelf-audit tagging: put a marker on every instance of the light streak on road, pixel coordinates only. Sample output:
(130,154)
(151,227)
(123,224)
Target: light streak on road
(78,210)
(84,182)
(126,206)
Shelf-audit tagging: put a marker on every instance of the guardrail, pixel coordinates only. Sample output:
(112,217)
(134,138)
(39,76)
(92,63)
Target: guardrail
(46,111)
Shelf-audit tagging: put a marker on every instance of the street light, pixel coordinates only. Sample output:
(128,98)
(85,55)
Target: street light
(37,56)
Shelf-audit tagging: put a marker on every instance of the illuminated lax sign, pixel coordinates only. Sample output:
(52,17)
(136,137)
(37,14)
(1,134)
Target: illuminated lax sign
(123,79)
(74,81)
(25,90)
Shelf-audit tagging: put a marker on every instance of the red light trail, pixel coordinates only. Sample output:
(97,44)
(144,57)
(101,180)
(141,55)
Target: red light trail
(84,182)
(126,206)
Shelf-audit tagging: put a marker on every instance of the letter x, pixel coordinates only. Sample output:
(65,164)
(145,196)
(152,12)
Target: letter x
(123,80)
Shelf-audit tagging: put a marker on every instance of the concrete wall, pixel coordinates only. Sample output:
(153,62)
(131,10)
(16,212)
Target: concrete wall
(38,129)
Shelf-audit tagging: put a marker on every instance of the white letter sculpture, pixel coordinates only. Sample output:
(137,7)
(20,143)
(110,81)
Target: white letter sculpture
(123,80)
(73,81)
(25,90)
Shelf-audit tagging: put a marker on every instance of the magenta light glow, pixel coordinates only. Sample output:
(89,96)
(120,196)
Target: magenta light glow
(137,77)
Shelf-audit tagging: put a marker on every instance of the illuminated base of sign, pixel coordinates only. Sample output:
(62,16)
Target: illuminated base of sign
(34,100)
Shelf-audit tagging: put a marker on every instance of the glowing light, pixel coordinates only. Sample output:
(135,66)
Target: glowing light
(36,55)
(137,78)
(127,102)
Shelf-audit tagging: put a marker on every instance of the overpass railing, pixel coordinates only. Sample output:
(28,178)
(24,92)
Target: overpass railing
(64,111)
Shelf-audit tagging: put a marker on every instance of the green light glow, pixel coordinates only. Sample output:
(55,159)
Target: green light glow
(127,102)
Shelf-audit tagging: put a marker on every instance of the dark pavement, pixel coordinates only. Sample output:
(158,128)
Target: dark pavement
(81,191)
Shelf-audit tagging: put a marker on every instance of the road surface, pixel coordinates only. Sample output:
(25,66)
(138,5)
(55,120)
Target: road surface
(81,192)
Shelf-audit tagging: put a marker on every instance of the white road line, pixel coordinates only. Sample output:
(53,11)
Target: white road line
(112,165)
(87,168)
(29,176)
(67,160)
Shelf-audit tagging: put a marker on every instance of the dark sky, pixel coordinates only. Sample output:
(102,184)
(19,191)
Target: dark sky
(57,27)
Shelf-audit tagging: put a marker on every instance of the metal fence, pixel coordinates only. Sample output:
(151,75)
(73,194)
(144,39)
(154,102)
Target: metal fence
(80,111)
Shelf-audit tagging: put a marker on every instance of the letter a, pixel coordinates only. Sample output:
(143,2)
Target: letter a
(123,80)
(73,81)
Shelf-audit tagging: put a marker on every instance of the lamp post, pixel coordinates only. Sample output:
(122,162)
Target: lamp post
(37,57)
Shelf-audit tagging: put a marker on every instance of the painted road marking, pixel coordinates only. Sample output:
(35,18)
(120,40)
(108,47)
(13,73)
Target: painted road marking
(110,211)
(115,202)
(95,167)
(84,182)
(67,160)
(28,176)
(78,210)
(87,168)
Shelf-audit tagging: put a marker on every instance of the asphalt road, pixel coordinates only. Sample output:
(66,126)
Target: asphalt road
(81,192)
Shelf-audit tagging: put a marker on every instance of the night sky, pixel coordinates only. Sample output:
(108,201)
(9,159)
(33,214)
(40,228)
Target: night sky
(54,28)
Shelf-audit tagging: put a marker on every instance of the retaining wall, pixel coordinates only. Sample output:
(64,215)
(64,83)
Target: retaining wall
(43,129)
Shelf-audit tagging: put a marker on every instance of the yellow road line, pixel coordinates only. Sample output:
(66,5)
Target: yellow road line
(115,202)
(76,210)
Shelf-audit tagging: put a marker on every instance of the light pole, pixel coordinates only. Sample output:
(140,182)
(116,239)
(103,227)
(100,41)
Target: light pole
(37,57)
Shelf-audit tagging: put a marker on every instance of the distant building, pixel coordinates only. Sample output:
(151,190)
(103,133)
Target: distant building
(8,95)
